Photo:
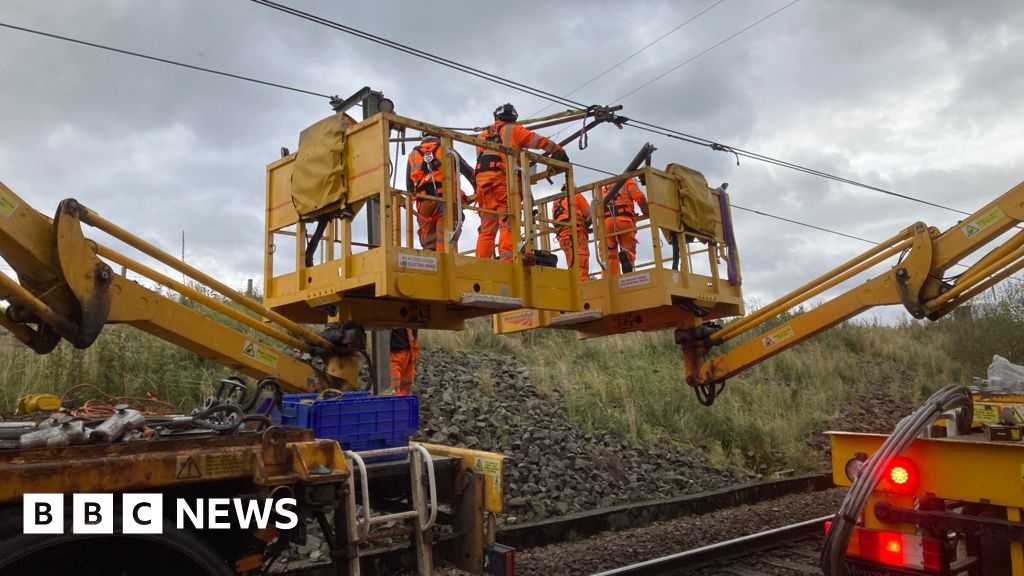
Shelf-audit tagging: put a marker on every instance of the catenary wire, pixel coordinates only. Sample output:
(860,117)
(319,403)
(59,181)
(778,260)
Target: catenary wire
(634,123)
(566,101)
(699,54)
(163,60)
(257,81)
(634,54)
(782,218)
(647,126)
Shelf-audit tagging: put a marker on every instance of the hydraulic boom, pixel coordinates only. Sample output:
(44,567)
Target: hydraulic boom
(919,280)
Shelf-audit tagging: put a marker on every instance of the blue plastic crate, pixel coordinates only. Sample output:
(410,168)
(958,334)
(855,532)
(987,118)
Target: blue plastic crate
(356,420)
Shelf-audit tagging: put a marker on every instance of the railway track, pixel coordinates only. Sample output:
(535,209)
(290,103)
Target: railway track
(555,530)
(791,549)
(618,518)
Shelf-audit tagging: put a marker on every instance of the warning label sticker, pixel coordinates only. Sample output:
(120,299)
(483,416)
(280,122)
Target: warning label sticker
(990,217)
(490,467)
(487,466)
(229,465)
(634,280)
(187,469)
(259,353)
(776,337)
(417,262)
(7,204)
(212,466)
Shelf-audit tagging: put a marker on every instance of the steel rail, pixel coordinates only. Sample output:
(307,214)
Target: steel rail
(554,530)
(699,557)
(584,524)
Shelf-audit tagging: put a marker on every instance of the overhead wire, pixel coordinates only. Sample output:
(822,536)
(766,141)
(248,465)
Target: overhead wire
(698,55)
(652,128)
(635,53)
(633,122)
(162,60)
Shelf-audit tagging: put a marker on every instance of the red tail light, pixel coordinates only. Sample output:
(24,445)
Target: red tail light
(902,476)
(896,549)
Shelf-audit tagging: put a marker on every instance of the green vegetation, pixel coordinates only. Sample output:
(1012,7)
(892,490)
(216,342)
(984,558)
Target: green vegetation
(630,384)
(633,384)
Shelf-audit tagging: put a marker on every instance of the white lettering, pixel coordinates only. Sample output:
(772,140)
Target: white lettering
(196,516)
(142,513)
(43,514)
(260,511)
(92,514)
(218,508)
(279,507)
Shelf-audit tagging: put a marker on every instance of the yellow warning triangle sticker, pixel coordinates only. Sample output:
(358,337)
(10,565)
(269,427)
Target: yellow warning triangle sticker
(249,350)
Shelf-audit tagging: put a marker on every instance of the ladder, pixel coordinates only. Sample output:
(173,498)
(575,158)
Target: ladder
(423,513)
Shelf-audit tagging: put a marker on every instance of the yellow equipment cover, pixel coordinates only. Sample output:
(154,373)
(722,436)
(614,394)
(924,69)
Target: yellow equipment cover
(699,206)
(318,178)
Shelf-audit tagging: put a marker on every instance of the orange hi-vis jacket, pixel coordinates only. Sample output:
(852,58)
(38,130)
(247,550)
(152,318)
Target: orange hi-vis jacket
(426,168)
(560,213)
(512,135)
(625,201)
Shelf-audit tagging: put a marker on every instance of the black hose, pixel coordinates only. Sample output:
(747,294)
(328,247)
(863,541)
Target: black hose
(267,382)
(205,419)
(373,372)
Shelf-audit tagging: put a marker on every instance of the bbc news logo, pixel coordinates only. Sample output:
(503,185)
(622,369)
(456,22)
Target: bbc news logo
(144,513)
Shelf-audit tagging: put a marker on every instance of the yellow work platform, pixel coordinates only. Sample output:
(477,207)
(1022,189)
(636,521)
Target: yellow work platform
(682,276)
(364,264)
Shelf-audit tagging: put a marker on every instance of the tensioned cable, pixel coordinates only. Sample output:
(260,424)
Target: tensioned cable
(634,54)
(163,60)
(310,92)
(784,219)
(652,128)
(698,55)
(562,100)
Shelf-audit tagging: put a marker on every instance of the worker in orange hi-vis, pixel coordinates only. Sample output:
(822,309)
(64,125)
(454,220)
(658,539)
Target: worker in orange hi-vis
(620,220)
(560,213)
(424,176)
(491,178)
(405,351)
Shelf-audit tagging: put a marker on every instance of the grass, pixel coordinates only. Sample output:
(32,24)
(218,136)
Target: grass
(633,385)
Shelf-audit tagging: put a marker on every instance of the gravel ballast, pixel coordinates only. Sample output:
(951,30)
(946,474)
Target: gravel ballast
(487,401)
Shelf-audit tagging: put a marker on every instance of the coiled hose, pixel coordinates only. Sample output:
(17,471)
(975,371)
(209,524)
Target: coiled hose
(951,397)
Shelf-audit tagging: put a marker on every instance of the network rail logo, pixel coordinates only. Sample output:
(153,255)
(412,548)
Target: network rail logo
(144,514)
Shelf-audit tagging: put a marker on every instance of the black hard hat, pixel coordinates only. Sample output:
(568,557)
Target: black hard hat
(429,138)
(506,113)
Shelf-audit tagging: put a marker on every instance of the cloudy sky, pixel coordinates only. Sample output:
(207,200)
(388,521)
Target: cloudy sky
(919,97)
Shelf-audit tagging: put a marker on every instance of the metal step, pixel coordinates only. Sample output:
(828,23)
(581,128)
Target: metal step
(570,318)
(490,301)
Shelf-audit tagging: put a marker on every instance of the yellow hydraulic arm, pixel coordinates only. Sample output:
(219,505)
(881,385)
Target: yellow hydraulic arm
(918,281)
(64,290)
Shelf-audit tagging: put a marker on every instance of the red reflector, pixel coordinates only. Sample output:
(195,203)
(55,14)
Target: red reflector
(896,549)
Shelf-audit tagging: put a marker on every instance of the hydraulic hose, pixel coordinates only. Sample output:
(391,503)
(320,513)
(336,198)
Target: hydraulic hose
(951,397)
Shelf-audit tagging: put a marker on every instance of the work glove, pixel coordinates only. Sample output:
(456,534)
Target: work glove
(560,155)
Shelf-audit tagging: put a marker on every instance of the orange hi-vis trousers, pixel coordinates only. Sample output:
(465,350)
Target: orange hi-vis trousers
(430,225)
(403,369)
(614,239)
(582,252)
(493,195)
